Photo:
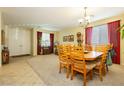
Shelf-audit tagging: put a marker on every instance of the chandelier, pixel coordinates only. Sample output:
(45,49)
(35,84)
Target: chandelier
(83,22)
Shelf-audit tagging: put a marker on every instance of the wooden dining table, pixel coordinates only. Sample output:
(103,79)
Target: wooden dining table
(92,55)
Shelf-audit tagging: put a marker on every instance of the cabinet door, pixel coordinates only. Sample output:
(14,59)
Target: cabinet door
(14,43)
(26,42)
(19,42)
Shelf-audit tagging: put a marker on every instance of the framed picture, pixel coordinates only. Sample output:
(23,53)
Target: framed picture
(65,38)
(71,38)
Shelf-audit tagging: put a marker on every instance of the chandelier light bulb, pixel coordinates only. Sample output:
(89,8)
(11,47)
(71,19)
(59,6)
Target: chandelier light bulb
(80,20)
(85,20)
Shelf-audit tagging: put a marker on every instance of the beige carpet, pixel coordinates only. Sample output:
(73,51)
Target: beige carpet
(46,66)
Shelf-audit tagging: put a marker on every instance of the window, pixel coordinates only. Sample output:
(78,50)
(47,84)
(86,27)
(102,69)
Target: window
(45,41)
(100,34)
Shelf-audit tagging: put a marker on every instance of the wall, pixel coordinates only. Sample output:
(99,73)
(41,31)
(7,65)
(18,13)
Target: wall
(70,31)
(34,39)
(1,28)
(0,40)
(6,35)
(2,22)
(74,30)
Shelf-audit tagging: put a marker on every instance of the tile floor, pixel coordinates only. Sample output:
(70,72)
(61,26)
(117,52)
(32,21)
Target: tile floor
(19,72)
(43,70)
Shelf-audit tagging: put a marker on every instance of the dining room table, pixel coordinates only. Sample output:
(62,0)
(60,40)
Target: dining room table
(92,55)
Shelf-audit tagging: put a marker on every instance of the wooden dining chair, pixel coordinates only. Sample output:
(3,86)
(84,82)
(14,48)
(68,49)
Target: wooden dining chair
(100,63)
(64,61)
(78,49)
(99,48)
(88,47)
(79,65)
(110,46)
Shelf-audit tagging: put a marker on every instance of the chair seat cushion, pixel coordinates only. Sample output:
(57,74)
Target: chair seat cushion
(97,64)
(88,67)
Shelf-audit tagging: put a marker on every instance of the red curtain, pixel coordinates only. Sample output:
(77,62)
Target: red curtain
(39,36)
(51,42)
(88,35)
(114,38)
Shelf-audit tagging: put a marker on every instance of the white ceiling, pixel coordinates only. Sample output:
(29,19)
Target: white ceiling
(54,18)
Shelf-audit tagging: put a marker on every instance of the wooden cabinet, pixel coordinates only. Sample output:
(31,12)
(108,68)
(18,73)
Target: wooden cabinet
(56,51)
(19,41)
(46,50)
(5,55)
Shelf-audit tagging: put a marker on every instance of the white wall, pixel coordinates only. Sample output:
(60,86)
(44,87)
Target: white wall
(34,42)
(0,39)
(1,28)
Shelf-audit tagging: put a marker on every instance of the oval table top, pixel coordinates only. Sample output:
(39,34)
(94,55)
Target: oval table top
(92,55)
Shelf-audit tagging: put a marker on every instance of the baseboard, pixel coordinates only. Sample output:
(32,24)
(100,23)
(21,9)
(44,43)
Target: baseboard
(21,55)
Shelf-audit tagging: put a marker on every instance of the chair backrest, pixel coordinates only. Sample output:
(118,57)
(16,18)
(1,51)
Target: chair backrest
(78,60)
(60,49)
(78,49)
(88,47)
(104,49)
(64,58)
(105,53)
(110,46)
(100,48)
(62,53)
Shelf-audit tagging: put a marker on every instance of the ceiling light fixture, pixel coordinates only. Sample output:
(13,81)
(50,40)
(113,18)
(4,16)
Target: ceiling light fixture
(83,22)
